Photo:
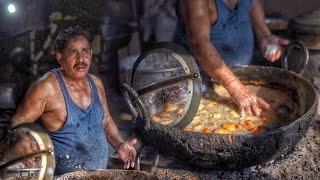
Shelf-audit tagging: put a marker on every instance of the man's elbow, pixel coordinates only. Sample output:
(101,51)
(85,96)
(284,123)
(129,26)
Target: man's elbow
(14,123)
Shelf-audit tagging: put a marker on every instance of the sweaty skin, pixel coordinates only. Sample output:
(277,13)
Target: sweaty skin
(45,100)
(198,17)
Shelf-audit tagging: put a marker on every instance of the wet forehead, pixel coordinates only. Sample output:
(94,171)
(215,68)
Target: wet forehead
(77,42)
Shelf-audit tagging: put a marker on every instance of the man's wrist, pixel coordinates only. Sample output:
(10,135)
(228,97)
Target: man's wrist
(267,35)
(119,145)
(234,86)
(230,82)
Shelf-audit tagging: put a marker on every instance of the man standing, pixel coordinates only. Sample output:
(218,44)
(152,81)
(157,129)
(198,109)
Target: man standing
(71,104)
(220,34)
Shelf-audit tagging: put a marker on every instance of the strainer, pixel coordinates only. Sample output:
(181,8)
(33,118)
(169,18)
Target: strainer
(27,153)
(166,82)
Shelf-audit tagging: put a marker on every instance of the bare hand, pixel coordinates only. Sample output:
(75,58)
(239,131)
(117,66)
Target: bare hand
(271,47)
(247,102)
(127,153)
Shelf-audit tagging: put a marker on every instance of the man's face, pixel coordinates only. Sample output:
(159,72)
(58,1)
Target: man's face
(75,59)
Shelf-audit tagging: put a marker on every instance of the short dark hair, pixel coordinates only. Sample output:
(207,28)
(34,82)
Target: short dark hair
(64,37)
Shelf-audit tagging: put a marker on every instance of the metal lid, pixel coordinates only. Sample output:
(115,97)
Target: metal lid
(296,57)
(168,84)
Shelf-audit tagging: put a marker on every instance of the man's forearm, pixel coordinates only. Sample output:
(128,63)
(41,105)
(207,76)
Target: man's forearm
(213,64)
(258,20)
(112,134)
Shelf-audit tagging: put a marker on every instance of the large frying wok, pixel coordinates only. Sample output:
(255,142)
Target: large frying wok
(113,174)
(236,151)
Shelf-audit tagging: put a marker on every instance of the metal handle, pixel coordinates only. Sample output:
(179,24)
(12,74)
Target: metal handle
(21,158)
(288,50)
(132,97)
(155,161)
(130,104)
(168,83)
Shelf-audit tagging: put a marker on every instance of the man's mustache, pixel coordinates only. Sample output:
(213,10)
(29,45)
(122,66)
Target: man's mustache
(80,64)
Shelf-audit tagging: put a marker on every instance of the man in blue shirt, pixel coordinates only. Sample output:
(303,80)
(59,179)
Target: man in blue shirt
(220,34)
(71,105)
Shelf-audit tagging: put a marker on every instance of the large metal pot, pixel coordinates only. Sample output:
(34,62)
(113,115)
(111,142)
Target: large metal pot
(117,173)
(236,151)
(114,174)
